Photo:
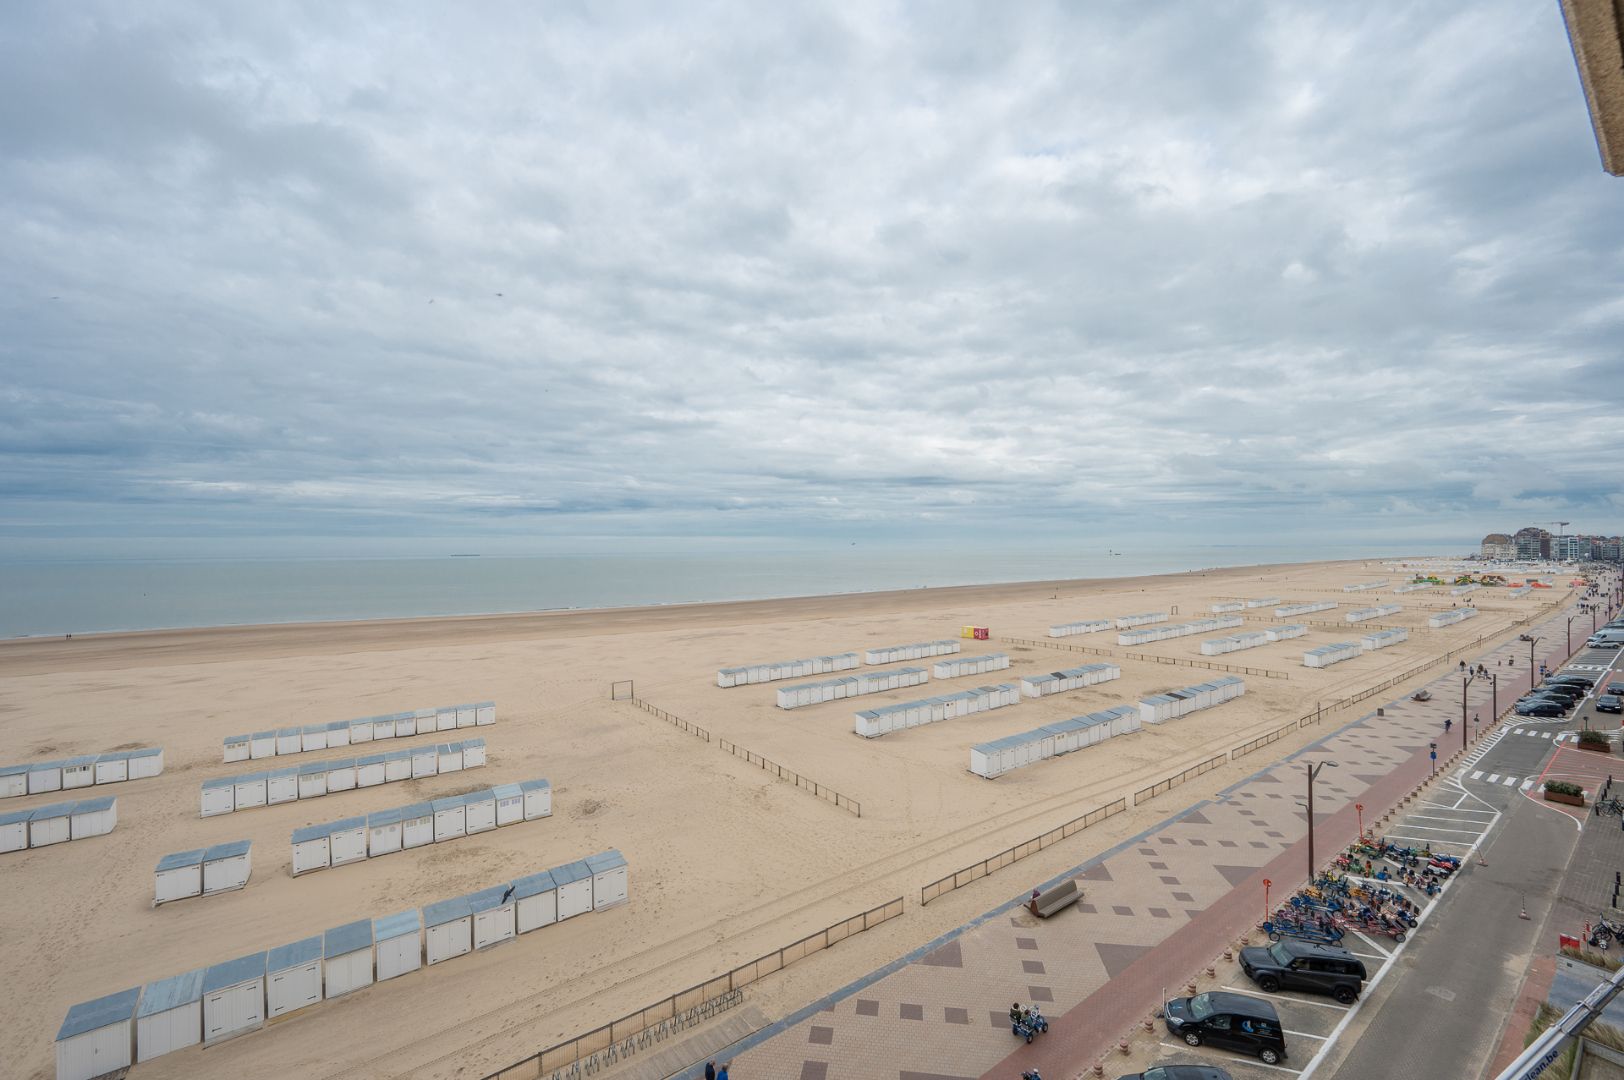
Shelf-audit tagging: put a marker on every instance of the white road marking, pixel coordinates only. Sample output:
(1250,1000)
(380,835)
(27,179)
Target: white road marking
(1494,778)
(1434,828)
(1286,996)
(1526,784)
(1303,1034)
(1430,840)
(1253,1064)
(1510,780)
(1372,944)
(1478,775)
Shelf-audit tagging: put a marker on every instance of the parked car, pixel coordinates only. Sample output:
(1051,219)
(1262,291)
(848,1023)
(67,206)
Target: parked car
(1604,643)
(1542,707)
(1179,1072)
(1572,679)
(1289,964)
(1561,689)
(1232,1021)
(1615,688)
(1610,703)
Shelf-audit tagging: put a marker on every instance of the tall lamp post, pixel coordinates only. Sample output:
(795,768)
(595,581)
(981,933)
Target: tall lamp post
(1313,771)
(1570,633)
(1464,683)
(1533,675)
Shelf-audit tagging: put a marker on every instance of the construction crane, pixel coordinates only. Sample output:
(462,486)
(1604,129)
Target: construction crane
(1560,525)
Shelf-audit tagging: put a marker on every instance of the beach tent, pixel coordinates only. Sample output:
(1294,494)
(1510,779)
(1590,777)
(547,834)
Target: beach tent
(445,719)
(494,912)
(44,776)
(369,771)
(383,833)
(399,940)
(338,734)
(178,876)
(479,811)
(219,796)
(425,761)
(261,744)
(13,781)
(509,803)
(112,768)
(537,900)
(538,799)
(238,748)
(78,772)
(249,791)
(447,929)
(340,775)
(50,825)
(449,757)
(14,830)
(609,873)
(312,849)
(282,785)
(313,737)
(485,713)
(233,998)
(397,765)
(347,957)
(473,753)
(312,780)
(347,840)
(170,1016)
(97,1037)
(227,866)
(289,741)
(292,977)
(93,817)
(416,825)
(574,889)
(450,818)
(146,762)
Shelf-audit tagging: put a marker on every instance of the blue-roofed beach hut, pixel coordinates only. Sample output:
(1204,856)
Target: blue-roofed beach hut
(170,1016)
(97,1037)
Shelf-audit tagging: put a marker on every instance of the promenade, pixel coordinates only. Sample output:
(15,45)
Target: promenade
(1157,908)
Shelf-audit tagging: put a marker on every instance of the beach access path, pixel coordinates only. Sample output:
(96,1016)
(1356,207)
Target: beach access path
(1157,908)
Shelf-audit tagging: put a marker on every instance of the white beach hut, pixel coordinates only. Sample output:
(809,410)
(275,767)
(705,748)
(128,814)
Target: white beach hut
(397,766)
(347,840)
(233,998)
(340,775)
(282,786)
(383,833)
(313,737)
(479,811)
(312,780)
(347,957)
(473,753)
(112,768)
(448,757)
(509,803)
(97,1037)
(249,791)
(93,817)
(447,929)
(146,762)
(538,798)
(537,899)
(494,911)
(485,713)
(467,715)
(425,761)
(170,1016)
(261,744)
(292,977)
(445,719)
(416,723)
(416,825)
(79,772)
(609,879)
(312,849)
(574,889)
(178,876)
(338,733)
(13,781)
(450,818)
(219,796)
(289,740)
(50,825)
(14,830)
(369,771)
(365,730)
(239,747)
(44,776)
(399,943)
(227,866)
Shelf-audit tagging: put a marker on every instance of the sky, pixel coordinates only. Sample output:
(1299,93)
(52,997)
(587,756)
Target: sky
(416,278)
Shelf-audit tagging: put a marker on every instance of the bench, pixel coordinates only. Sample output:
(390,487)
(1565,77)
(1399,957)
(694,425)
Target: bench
(1062,896)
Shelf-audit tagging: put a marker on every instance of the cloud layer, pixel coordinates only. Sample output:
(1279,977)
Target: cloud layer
(522,276)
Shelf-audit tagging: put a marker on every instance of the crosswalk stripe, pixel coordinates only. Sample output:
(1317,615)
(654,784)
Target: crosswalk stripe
(1526,784)
(1510,780)
(1478,775)
(1494,778)
(1545,734)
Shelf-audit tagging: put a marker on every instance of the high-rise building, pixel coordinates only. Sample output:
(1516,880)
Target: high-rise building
(1565,548)
(1532,542)
(1499,546)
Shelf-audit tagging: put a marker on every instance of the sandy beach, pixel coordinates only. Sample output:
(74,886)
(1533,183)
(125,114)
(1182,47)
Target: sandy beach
(727,861)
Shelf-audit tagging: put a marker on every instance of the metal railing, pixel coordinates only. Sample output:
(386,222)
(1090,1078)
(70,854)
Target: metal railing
(1263,740)
(822,791)
(671,718)
(602,1038)
(976,871)
(1180,661)
(1145,794)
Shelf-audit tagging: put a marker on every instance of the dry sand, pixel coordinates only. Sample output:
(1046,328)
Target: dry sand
(727,862)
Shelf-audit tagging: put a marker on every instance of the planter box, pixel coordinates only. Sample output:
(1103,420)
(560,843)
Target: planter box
(1602,748)
(1568,800)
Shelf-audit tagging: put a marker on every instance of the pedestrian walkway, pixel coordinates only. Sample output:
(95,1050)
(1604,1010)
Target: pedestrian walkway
(1155,908)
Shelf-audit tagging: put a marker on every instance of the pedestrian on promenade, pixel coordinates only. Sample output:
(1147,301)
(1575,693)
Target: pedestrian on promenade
(710,1070)
(722,1074)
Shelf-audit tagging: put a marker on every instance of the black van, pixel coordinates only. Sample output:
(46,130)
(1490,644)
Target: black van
(1293,964)
(1232,1021)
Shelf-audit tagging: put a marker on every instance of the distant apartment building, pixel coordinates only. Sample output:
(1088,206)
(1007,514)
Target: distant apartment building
(1499,546)
(1610,549)
(1532,542)
(1566,548)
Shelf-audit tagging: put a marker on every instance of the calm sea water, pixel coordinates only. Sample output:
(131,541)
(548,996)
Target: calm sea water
(49,598)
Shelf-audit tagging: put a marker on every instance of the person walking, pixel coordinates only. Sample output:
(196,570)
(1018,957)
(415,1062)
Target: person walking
(721,1073)
(710,1070)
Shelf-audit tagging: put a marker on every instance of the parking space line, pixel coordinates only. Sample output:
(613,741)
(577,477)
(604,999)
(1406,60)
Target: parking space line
(1255,1064)
(1429,840)
(1282,996)
(1435,828)
(1365,956)
(1440,817)
(1304,1034)
(1458,809)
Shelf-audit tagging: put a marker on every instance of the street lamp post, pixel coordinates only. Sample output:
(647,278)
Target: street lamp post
(1494,684)
(1533,675)
(1464,683)
(1359,808)
(1313,771)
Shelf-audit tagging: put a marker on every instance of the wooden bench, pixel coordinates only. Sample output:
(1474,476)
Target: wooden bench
(1059,898)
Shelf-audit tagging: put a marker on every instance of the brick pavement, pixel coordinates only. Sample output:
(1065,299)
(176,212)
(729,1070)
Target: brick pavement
(1156,908)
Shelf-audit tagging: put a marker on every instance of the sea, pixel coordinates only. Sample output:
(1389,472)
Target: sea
(52,598)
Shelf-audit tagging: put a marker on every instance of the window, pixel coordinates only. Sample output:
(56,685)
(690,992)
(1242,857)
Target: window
(1218,1023)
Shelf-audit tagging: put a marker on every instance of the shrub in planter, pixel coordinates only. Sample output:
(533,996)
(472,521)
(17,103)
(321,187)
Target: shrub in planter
(1593,740)
(1560,791)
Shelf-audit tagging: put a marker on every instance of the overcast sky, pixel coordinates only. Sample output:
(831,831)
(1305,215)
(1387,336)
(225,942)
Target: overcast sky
(405,277)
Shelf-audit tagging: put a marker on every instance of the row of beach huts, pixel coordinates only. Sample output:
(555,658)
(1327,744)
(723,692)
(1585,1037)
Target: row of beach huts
(308,737)
(87,770)
(232,794)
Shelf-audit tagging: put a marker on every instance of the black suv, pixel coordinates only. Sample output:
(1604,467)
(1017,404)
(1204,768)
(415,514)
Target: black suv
(1576,680)
(1289,964)
(1547,707)
(1179,1072)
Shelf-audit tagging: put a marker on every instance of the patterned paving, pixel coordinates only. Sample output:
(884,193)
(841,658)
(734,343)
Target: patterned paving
(1155,908)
